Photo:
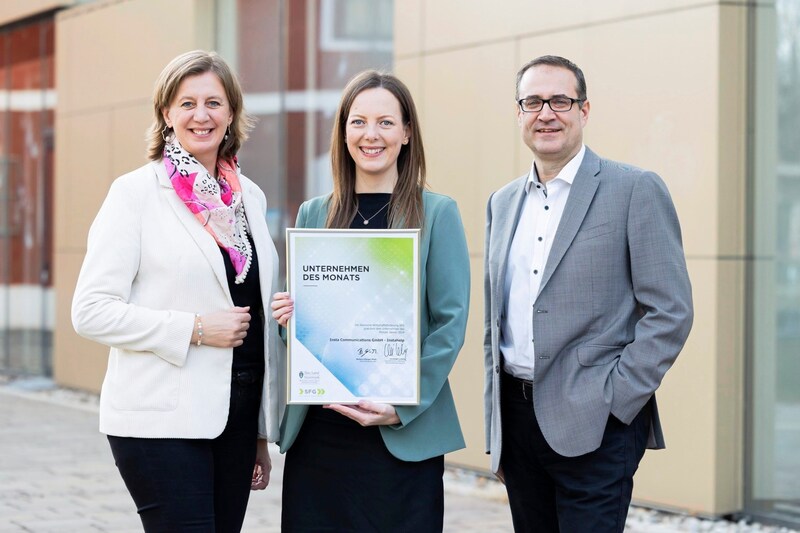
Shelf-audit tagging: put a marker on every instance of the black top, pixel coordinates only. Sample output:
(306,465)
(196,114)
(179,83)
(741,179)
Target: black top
(373,207)
(250,355)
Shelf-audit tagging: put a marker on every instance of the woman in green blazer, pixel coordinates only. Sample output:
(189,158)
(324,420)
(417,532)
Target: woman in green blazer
(370,466)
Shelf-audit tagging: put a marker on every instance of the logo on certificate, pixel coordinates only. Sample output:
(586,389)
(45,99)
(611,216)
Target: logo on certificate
(311,392)
(308,377)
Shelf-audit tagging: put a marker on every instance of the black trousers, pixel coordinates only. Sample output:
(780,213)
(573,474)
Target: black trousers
(195,485)
(548,492)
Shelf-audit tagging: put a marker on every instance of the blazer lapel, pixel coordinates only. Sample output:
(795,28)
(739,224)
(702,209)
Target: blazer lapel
(580,198)
(265,248)
(505,228)
(202,238)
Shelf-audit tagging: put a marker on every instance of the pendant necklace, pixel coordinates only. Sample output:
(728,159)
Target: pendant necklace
(366,220)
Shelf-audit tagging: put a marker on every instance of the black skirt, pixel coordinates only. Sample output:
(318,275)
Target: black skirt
(339,476)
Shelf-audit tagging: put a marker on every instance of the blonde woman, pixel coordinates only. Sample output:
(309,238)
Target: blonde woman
(179,264)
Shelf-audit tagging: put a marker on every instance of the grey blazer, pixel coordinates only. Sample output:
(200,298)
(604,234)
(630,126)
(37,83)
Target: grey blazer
(613,311)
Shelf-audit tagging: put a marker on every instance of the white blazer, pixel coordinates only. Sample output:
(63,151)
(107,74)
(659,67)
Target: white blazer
(149,267)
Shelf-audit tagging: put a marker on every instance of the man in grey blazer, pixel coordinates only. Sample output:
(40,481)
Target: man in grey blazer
(588,303)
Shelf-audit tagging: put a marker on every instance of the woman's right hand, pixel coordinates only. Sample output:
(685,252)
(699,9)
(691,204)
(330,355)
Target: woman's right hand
(224,329)
(282,307)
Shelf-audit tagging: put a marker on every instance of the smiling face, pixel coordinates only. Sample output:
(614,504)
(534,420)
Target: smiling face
(375,133)
(554,138)
(200,115)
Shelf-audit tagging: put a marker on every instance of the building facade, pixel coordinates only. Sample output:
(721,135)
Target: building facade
(27,101)
(704,93)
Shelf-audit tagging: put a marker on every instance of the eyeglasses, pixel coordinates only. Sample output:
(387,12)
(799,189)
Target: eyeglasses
(559,104)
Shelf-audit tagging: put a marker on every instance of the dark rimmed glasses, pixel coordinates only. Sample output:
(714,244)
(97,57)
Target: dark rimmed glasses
(558,104)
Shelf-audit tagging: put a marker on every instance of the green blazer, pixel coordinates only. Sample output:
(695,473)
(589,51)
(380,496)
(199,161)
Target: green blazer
(431,428)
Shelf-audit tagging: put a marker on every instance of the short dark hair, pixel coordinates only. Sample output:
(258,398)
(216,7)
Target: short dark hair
(556,61)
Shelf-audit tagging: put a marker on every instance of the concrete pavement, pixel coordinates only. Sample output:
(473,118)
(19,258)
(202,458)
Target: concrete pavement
(57,475)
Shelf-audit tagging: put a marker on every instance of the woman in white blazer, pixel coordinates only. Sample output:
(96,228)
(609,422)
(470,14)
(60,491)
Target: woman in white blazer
(178,266)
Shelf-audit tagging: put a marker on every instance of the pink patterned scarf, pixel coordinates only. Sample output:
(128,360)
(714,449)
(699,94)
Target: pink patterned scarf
(215,202)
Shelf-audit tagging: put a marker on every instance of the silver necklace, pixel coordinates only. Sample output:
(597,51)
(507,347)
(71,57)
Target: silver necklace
(366,220)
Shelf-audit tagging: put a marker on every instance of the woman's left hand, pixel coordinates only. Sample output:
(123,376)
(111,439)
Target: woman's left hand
(368,413)
(262,467)
(282,308)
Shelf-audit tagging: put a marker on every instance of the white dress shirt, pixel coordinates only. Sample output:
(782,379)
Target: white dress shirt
(530,248)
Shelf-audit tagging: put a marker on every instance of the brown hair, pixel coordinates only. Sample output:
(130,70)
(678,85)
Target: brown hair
(192,64)
(406,209)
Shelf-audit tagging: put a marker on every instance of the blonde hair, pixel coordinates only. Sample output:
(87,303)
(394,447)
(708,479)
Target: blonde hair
(195,63)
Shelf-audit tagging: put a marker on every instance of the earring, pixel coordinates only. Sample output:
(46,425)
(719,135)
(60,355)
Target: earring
(227,132)
(165,133)
(405,141)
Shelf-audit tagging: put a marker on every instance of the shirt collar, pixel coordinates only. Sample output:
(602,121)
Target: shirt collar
(567,173)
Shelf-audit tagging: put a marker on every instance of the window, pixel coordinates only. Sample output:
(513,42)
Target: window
(773,465)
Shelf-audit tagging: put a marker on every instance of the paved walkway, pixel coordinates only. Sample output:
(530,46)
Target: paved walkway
(57,475)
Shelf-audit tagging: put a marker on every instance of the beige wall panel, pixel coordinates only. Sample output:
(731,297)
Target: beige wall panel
(83,161)
(79,363)
(410,71)
(409,19)
(647,116)
(13,10)
(730,389)
(731,282)
(470,140)
(112,53)
(470,133)
(467,374)
(460,23)
(128,144)
(682,476)
(732,144)
(700,404)
(466,378)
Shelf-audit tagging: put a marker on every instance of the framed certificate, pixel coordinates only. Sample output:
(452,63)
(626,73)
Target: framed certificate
(355,330)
